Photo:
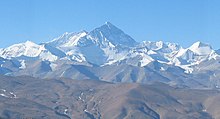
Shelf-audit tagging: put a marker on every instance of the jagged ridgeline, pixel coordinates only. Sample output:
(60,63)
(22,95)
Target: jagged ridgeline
(108,54)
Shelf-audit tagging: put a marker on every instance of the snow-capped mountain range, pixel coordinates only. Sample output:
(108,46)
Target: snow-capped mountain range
(104,46)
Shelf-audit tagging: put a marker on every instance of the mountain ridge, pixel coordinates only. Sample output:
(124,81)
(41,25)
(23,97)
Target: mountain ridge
(107,46)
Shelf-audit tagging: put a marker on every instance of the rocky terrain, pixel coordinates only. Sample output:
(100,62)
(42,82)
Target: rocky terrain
(26,97)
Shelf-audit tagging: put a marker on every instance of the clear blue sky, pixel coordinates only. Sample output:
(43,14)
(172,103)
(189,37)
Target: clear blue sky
(179,21)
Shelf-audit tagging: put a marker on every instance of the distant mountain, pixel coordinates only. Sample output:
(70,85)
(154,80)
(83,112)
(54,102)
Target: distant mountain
(100,46)
(32,50)
(107,53)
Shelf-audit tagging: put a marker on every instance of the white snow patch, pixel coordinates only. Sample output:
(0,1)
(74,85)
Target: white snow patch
(204,110)
(201,48)
(4,95)
(162,69)
(23,65)
(151,52)
(146,59)
(66,111)
(214,75)
(7,94)
(53,66)
(3,90)
(63,73)
(188,70)
(48,56)
(86,111)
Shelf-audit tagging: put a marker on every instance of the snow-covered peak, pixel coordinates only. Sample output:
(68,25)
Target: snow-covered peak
(30,43)
(199,44)
(160,46)
(98,46)
(109,24)
(27,48)
(110,33)
(106,35)
(67,39)
(32,50)
(108,44)
(201,48)
(194,55)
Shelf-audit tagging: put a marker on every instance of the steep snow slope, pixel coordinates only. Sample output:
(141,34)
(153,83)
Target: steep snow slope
(67,39)
(109,33)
